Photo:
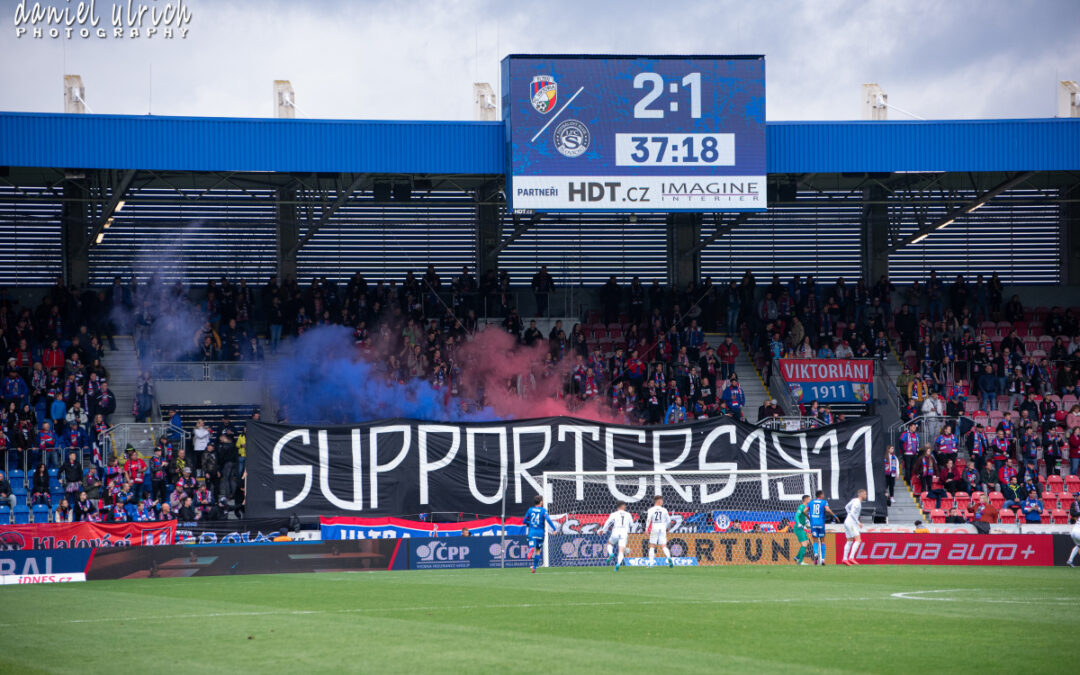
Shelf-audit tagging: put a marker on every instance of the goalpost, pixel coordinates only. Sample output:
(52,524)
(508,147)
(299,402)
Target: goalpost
(706,507)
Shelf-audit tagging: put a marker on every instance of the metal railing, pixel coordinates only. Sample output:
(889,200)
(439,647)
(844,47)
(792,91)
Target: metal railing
(781,392)
(928,427)
(206,371)
(142,436)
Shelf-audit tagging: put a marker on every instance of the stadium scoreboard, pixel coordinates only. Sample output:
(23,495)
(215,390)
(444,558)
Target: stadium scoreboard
(634,133)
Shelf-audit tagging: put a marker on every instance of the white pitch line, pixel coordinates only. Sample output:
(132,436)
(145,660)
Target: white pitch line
(919,595)
(548,123)
(442,608)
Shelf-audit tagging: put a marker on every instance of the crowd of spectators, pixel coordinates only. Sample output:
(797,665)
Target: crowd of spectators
(174,483)
(55,391)
(205,484)
(645,363)
(1003,379)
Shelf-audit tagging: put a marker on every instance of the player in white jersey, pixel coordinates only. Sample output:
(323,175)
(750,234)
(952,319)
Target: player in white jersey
(620,522)
(851,529)
(1076,540)
(656,524)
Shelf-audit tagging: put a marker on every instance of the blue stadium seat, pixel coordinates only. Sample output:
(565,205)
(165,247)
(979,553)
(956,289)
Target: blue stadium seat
(53,473)
(5,514)
(22,515)
(55,496)
(17,476)
(41,513)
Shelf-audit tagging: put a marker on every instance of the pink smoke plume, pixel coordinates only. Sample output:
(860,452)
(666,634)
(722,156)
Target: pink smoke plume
(330,379)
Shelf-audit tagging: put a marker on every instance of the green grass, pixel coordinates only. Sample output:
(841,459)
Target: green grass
(716,619)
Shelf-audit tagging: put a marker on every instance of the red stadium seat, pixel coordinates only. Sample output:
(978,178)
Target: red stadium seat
(1060,517)
(997,499)
(1006,516)
(1055,483)
(946,503)
(928,504)
(962,500)
(1021,329)
(936,484)
(937,516)
(1050,500)
(1072,484)
(976,496)
(1066,499)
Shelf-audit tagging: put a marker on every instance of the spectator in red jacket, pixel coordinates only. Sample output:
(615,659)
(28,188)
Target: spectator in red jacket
(135,468)
(727,352)
(53,357)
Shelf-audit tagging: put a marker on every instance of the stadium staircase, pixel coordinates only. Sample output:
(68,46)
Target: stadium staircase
(123,366)
(750,377)
(905,510)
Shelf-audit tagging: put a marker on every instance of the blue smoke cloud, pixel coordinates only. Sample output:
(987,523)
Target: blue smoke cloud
(324,380)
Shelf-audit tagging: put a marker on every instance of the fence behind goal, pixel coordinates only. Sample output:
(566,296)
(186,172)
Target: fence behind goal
(720,517)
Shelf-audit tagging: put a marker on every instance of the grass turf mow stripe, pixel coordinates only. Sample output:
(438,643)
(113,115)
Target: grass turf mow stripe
(735,619)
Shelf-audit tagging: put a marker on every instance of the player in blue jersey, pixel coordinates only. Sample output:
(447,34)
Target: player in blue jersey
(535,519)
(817,509)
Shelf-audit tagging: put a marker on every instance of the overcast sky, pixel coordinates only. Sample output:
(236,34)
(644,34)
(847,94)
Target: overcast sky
(408,59)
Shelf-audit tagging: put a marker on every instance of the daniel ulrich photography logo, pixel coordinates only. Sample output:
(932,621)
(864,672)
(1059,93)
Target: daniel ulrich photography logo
(90,20)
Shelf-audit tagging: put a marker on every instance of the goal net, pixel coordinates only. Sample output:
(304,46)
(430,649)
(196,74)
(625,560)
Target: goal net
(726,517)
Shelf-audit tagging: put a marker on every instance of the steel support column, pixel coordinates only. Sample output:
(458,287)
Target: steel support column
(75,231)
(684,256)
(288,233)
(875,234)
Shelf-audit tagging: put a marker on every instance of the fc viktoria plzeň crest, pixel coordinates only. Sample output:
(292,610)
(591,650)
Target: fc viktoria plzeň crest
(544,91)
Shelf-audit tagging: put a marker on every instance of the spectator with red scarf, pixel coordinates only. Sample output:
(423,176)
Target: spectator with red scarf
(1008,476)
(927,469)
(49,445)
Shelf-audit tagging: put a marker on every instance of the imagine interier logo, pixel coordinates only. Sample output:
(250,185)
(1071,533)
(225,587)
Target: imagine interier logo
(64,19)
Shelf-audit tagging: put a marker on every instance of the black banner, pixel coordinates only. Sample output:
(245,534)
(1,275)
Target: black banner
(398,467)
(250,531)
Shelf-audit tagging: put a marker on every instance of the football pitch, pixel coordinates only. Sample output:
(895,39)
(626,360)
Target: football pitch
(758,619)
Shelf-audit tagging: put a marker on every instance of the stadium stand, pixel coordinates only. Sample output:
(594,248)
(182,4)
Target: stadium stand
(637,353)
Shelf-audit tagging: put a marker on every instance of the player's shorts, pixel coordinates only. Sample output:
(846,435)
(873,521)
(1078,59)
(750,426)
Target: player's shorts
(1076,537)
(537,543)
(658,537)
(817,531)
(801,535)
(851,528)
(618,539)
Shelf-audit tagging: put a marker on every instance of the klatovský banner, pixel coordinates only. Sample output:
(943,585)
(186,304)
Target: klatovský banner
(829,380)
(87,535)
(397,467)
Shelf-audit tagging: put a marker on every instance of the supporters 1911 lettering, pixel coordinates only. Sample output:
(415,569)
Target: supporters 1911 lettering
(412,467)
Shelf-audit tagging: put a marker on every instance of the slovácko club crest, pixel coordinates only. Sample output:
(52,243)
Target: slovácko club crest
(543,92)
(571,138)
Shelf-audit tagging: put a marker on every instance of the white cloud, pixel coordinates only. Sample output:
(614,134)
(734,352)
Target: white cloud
(417,60)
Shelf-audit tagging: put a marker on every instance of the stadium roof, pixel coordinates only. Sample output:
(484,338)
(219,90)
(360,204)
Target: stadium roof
(478,148)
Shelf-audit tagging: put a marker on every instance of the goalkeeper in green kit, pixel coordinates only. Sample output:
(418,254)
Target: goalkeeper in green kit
(802,530)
